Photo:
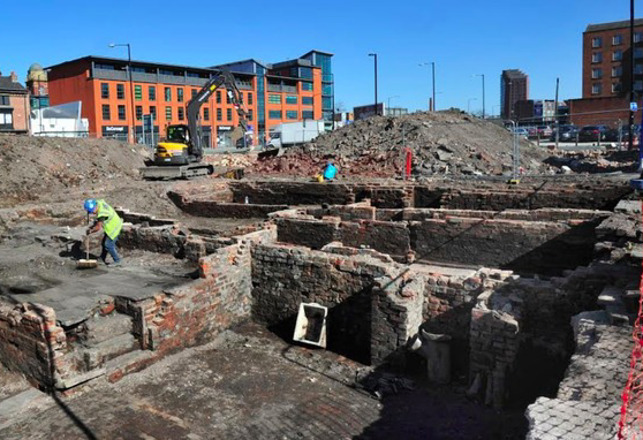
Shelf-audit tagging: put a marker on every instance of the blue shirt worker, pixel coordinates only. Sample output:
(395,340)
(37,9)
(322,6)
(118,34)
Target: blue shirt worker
(330,171)
(109,221)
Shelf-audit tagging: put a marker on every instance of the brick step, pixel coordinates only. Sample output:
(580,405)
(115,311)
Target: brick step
(129,363)
(97,355)
(104,328)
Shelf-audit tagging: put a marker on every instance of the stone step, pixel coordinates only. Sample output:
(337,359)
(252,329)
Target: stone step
(103,328)
(99,354)
(611,295)
(617,314)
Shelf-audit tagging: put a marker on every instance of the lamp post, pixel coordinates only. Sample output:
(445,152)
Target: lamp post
(632,94)
(469,104)
(374,55)
(388,101)
(483,106)
(432,63)
(131,87)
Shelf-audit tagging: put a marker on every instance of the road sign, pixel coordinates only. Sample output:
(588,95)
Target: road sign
(633,106)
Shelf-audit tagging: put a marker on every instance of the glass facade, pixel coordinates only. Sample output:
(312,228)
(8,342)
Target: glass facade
(261,102)
(307,86)
(291,100)
(328,97)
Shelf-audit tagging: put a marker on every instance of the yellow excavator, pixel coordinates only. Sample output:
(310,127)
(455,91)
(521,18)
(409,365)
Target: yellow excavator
(180,155)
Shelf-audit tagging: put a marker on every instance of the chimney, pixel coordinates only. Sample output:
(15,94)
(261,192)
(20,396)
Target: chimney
(14,77)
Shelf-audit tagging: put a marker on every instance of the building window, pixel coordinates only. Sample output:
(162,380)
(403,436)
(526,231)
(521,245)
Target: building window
(597,41)
(139,112)
(638,86)
(104,90)
(638,37)
(138,93)
(274,114)
(638,69)
(638,52)
(597,57)
(179,95)
(617,55)
(306,86)
(597,73)
(616,87)
(227,98)
(106,115)
(597,89)
(249,98)
(153,112)
(250,115)
(168,94)
(291,100)
(307,100)
(274,99)
(193,91)
(617,71)
(151,91)
(181,113)
(168,113)
(617,40)
(307,114)
(228,114)
(218,96)
(6,120)
(206,114)
(121,112)
(291,114)
(219,114)
(4,100)
(120,91)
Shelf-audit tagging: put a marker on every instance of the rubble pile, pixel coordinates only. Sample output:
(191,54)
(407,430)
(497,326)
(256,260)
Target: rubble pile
(33,166)
(593,161)
(442,143)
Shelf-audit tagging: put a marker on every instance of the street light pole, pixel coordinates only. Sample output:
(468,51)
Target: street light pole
(131,87)
(632,96)
(374,55)
(483,106)
(432,82)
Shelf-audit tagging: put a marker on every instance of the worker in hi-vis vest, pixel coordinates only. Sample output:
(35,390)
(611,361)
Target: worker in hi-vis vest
(108,220)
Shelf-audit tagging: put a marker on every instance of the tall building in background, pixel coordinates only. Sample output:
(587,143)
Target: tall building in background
(273,93)
(606,59)
(514,87)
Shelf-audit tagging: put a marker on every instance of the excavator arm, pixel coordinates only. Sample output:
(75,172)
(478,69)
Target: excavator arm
(222,79)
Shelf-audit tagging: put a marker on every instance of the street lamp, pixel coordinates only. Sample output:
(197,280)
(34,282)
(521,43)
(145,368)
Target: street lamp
(388,101)
(374,55)
(432,63)
(483,109)
(469,104)
(131,87)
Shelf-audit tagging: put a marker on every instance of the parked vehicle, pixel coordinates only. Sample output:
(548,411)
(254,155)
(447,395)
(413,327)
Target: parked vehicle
(544,131)
(521,131)
(593,133)
(286,135)
(567,133)
(532,132)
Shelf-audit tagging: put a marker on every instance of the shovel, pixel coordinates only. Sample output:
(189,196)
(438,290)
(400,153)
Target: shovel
(86,263)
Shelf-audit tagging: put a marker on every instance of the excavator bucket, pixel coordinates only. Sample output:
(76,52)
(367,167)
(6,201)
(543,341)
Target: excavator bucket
(273,152)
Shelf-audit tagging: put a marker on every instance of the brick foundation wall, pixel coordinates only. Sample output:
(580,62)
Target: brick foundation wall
(373,309)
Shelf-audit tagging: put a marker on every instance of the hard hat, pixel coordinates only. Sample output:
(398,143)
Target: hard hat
(90,205)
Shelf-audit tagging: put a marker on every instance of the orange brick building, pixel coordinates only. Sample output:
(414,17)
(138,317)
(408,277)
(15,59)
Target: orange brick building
(272,94)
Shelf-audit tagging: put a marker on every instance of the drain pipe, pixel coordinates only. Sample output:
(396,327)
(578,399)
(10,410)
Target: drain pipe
(436,349)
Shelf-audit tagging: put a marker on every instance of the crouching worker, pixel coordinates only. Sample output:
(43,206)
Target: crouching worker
(108,220)
(330,171)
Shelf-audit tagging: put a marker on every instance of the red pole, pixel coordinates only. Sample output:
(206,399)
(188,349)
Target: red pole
(409,158)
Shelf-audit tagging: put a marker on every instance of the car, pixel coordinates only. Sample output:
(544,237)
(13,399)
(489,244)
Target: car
(521,131)
(567,133)
(532,132)
(544,131)
(593,133)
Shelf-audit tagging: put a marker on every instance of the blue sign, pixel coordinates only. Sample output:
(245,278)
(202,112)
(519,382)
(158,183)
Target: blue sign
(633,106)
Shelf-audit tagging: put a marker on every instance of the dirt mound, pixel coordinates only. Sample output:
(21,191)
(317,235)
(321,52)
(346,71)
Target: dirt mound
(33,166)
(442,143)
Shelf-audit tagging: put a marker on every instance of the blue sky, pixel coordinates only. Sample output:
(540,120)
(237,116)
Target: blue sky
(542,38)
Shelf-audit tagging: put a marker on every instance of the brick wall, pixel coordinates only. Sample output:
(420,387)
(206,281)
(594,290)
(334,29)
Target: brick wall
(374,307)
(21,109)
